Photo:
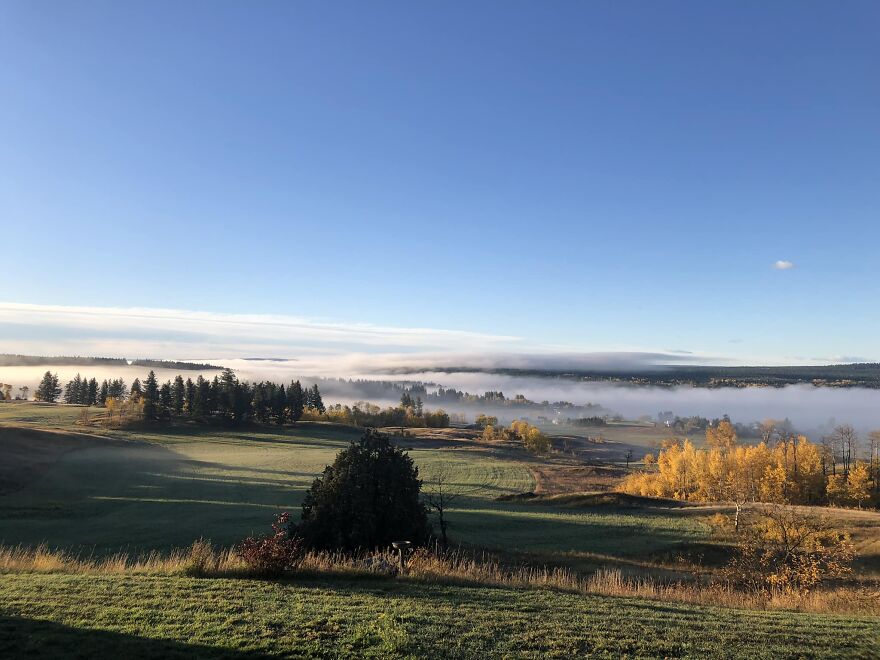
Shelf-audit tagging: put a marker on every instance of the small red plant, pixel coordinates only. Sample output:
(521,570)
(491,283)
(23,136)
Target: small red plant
(274,553)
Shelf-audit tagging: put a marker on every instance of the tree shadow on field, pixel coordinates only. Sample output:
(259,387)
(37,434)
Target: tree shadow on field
(30,638)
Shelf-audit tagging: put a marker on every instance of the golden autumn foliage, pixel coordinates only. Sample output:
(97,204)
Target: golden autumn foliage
(789,472)
(530,436)
(123,411)
(780,551)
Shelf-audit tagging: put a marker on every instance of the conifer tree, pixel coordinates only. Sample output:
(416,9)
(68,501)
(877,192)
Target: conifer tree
(279,405)
(48,390)
(295,401)
(189,396)
(166,402)
(315,400)
(92,393)
(151,397)
(178,395)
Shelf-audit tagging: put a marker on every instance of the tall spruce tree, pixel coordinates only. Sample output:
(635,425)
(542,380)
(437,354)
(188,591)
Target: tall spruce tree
(279,405)
(189,396)
(315,400)
(166,402)
(178,395)
(150,397)
(295,401)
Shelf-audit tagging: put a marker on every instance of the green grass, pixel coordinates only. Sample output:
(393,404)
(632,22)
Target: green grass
(72,616)
(163,488)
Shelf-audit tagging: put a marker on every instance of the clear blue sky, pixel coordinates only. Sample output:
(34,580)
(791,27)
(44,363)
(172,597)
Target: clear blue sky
(584,174)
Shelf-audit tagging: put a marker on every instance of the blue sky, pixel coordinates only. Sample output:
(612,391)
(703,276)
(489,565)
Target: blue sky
(582,176)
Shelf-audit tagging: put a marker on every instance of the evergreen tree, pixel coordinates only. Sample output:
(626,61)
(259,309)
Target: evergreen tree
(201,399)
(189,396)
(136,391)
(150,396)
(92,393)
(103,393)
(48,390)
(261,402)
(73,390)
(295,401)
(233,398)
(214,404)
(82,394)
(117,390)
(166,402)
(178,395)
(315,400)
(368,498)
(279,405)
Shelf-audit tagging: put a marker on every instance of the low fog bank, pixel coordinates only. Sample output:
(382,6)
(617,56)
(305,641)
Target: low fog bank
(812,409)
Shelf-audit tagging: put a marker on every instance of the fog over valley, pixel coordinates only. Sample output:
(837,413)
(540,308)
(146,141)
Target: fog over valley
(813,410)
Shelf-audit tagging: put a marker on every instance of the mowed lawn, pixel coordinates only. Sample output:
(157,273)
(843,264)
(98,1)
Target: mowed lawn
(140,616)
(164,488)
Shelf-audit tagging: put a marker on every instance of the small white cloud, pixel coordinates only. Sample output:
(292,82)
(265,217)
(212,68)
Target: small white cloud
(783,265)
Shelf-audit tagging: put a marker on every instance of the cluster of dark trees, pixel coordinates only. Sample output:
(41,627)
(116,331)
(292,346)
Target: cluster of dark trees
(227,398)
(224,397)
(87,392)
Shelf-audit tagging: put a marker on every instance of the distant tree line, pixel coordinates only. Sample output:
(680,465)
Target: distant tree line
(223,397)
(13,360)
(864,374)
(227,398)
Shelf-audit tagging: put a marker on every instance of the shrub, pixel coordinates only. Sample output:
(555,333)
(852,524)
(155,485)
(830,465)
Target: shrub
(368,498)
(274,553)
(782,552)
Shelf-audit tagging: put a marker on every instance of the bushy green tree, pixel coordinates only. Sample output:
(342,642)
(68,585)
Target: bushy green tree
(366,499)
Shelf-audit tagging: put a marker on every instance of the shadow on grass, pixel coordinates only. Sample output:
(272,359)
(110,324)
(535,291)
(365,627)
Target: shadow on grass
(31,638)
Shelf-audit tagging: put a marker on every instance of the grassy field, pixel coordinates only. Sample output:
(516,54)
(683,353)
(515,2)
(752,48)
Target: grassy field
(136,616)
(149,489)
(97,491)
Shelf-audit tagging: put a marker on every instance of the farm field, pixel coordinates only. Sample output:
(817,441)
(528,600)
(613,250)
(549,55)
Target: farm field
(145,490)
(95,492)
(140,616)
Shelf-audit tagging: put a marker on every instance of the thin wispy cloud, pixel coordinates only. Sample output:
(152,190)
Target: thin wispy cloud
(148,332)
(317,346)
(783,265)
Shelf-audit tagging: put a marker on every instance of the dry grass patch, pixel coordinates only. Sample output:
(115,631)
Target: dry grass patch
(457,568)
